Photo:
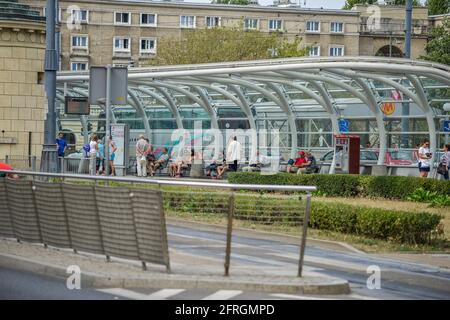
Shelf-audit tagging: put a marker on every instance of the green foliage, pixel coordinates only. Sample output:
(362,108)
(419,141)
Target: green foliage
(436,7)
(351,3)
(435,199)
(236,2)
(340,185)
(225,44)
(396,226)
(438,48)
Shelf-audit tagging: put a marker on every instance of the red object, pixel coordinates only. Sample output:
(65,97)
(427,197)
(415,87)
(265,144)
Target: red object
(299,161)
(5,166)
(351,144)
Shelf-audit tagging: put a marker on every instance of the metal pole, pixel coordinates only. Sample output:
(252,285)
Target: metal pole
(305,229)
(107,111)
(404,143)
(229,234)
(49,150)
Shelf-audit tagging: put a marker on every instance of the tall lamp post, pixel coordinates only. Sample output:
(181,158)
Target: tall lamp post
(405,105)
(49,159)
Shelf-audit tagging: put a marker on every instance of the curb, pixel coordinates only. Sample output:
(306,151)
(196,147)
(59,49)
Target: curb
(316,285)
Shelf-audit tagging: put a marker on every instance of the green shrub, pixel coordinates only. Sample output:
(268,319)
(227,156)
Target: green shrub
(397,226)
(345,185)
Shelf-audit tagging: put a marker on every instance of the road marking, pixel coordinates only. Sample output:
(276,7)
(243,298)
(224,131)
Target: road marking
(297,297)
(164,294)
(223,295)
(125,293)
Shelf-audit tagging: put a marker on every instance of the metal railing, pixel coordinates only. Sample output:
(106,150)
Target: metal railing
(126,217)
(27,163)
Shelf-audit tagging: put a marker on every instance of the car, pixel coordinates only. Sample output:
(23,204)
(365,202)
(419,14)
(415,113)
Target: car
(400,157)
(365,157)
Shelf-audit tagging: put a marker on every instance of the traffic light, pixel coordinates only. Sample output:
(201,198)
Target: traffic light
(89,127)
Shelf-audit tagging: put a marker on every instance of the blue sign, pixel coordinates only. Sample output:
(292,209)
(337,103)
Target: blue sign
(447,126)
(343,125)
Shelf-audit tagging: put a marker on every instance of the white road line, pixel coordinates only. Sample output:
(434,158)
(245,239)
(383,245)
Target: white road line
(125,293)
(164,294)
(297,297)
(223,295)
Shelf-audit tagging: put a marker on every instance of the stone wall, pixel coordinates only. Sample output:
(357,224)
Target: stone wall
(22,95)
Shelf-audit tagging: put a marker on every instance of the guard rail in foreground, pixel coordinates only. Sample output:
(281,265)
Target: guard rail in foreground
(125,217)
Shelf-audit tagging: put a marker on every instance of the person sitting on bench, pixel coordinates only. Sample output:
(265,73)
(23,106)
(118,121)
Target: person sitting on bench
(162,161)
(310,166)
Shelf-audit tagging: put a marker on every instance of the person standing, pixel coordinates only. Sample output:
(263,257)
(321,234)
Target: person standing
(445,160)
(112,155)
(234,154)
(93,149)
(142,147)
(62,146)
(424,159)
(101,157)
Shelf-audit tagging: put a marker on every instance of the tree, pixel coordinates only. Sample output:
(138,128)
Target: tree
(225,44)
(237,2)
(351,3)
(436,7)
(438,47)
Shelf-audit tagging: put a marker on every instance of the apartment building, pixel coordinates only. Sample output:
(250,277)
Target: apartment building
(126,32)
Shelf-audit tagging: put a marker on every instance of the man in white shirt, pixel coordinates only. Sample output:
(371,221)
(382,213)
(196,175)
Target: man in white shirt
(142,148)
(234,154)
(424,159)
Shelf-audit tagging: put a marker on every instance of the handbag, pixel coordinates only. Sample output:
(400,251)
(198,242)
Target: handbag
(441,169)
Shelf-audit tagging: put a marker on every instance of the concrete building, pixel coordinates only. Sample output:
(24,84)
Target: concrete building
(22,50)
(98,32)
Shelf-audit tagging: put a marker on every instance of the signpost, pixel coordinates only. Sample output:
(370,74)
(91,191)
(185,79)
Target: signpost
(343,125)
(120,136)
(108,86)
(76,106)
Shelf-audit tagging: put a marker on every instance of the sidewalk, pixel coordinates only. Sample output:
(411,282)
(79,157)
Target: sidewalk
(188,272)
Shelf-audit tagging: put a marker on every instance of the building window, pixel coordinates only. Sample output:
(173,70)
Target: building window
(187,21)
(148,45)
(78,66)
(122,18)
(337,27)
(121,44)
(81,16)
(275,25)
(44,13)
(79,41)
(314,51)
(251,24)
(212,22)
(148,19)
(313,26)
(336,51)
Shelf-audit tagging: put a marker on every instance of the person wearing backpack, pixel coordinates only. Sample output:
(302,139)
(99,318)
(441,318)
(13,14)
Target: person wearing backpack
(93,149)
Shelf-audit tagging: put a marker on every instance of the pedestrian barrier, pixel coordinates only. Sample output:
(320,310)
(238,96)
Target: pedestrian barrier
(126,217)
(95,219)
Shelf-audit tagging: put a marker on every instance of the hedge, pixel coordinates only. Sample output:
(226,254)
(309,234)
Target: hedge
(346,185)
(397,226)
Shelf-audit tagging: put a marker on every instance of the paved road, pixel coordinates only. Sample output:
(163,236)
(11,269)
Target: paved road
(399,280)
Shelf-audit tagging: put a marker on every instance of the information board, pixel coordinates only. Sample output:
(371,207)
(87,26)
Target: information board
(76,106)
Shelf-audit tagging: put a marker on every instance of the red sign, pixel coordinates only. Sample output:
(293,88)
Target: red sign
(388,108)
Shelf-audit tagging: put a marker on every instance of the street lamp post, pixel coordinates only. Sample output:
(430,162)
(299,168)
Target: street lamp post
(405,105)
(49,157)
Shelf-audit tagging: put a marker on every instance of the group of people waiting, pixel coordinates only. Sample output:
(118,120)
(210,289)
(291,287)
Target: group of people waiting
(425,157)
(146,162)
(305,163)
(95,151)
